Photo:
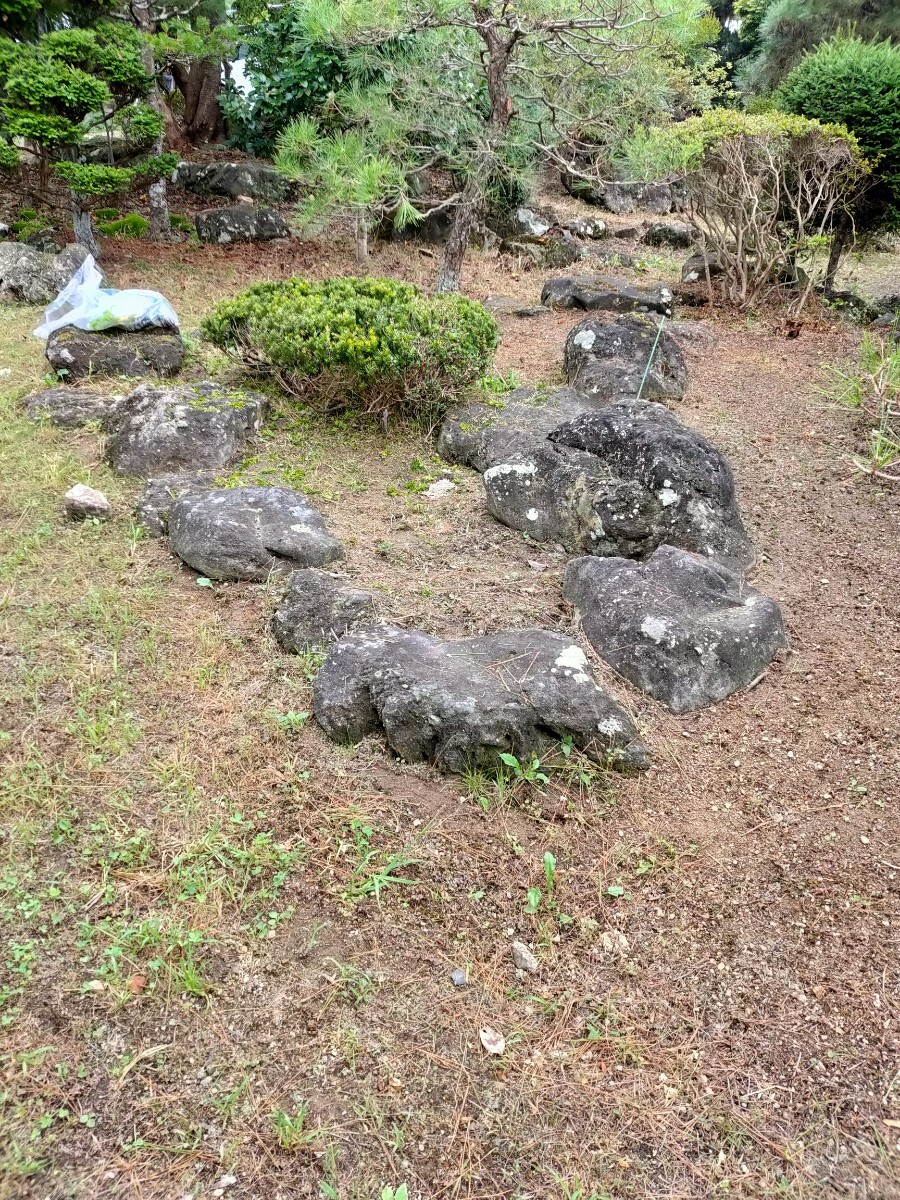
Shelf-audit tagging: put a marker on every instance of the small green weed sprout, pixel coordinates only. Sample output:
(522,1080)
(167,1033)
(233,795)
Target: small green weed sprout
(291,1129)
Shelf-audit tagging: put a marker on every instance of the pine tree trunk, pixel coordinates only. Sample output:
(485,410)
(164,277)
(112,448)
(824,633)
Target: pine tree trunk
(160,226)
(84,230)
(468,214)
(362,242)
(838,243)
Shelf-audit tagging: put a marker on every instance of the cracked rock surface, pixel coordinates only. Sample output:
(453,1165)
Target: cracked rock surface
(607,360)
(462,703)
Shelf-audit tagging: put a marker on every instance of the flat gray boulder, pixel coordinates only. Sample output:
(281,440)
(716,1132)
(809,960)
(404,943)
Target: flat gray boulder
(696,267)
(249,532)
(683,629)
(603,293)
(30,276)
(461,704)
(160,493)
(68,407)
(318,607)
(670,233)
(258,180)
(240,223)
(81,353)
(632,197)
(180,427)
(607,360)
(509,306)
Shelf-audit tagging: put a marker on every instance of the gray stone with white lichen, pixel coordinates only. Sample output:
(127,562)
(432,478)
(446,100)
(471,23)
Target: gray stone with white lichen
(607,360)
(683,629)
(249,532)
(461,704)
(602,293)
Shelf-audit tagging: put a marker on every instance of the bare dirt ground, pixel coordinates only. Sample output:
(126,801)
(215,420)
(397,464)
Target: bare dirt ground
(202,995)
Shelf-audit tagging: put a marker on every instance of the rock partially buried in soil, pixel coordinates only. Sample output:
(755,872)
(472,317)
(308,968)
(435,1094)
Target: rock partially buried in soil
(152,510)
(508,306)
(629,197)
(68,407)
(79,353)
(240,223)
(523,959)
(683,629)
(695,269)
(607,360)
(190,427)
(249,532)
(670,233)
(600,292)
(31,277)
(83,501)
(461,704)
(258,180)
(317,608)
(554,250)
(586,227)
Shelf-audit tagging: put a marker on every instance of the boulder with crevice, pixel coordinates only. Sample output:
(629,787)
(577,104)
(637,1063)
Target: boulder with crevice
(249,532)
(608,360)
(317,607)
(69,407)
(461,704)
(161,428)
(603,293)
(680,627)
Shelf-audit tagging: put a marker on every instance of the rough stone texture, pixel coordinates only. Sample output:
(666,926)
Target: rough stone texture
(523,959)
(606,360)
(508,306)
(240,223)
(83,501)
(553,250)
(68,407)
(586,227)
(152,510)
(629,197)
(186,427)
(518,222)
(317,608)
(462,703)
(44,240)
(694,270)
(258,180)
(670,233)
(79,353)
(28,276)
(479,435)
(603,293)
(249,532)
(680,627)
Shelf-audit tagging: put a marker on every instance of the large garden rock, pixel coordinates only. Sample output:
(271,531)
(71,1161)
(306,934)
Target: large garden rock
(161,492)
(606,360)
(258,180)
(318,607)
(80,353)
(249,532)
(631,197)
(509,306)
(519,222)
(695,269)
(32,277)
(670,233)
(187,427)
(586,227)
(603,293)
(240,223)
(552,251)
(461,704)
(68,407)
(680,627)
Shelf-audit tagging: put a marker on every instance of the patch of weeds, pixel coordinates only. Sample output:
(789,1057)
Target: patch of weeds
(116,948)
(288,722)
(871,387)
(377,872)
(543,899)
(352,983)
(291,1129)
(104,722)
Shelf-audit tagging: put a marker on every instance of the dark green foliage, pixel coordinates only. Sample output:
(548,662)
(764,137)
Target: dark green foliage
(182,223)
(851,82)
(9,157)
(290,77)
(141,125)
(106,214)
(133,225)
(374,344)
(92,180)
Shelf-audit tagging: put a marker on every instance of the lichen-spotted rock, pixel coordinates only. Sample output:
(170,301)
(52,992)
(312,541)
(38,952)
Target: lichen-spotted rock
(608,360)
(681,628)
(84,354)
(461,704)
(249,532)
(186,427)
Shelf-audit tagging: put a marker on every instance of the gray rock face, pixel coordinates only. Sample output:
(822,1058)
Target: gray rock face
(249,532)
(31,277)
(508,306)
(79,353)
(556,249)
(44,240)
(240,223)
(606,360)
(317,608)
(670,233)
(629,197)
(603,293)
(187,427)
(461,704)
(683,629)
(67,407)
(586,227)
(152,510)
(258,180)
(529,222)
(83,501)
(694,270)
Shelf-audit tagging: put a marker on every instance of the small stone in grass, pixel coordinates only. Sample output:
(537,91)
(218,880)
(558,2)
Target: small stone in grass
(439,489)
(524,959)
(458,977)
(83,501)
(94,985)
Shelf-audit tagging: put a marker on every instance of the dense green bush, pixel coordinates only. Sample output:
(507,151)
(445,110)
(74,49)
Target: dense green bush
(857,84)
(374,344)
(132,225)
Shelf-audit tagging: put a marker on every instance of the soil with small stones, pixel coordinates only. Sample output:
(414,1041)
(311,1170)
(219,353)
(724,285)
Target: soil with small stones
(741,1041)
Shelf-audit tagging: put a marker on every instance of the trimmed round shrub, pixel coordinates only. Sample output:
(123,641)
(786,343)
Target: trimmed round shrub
(377,345)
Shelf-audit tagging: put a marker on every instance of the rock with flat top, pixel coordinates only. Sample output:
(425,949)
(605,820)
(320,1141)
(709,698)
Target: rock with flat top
(152,510)
(680,627)
(83,501)
(603,293)
(509,306)
(608,360)
(69,407)
(461,704)
(240,223)
(82,353)
(318,607)
(247,179)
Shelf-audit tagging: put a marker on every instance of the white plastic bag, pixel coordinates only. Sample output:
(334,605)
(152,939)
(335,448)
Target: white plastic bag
(86,305)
